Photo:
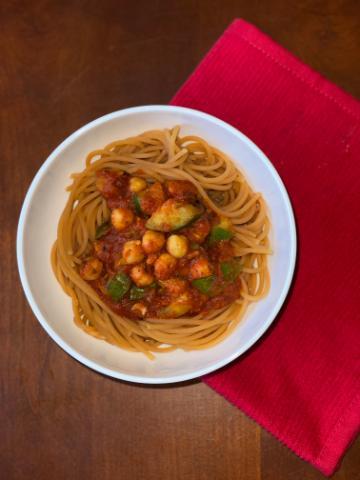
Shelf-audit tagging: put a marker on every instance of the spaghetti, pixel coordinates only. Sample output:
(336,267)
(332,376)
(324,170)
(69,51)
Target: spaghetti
(162,160)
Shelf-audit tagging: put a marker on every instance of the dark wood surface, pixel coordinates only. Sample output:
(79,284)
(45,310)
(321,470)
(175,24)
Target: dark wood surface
(62,64)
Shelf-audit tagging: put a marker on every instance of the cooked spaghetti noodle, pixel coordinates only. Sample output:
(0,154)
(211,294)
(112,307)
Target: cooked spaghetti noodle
(162,156)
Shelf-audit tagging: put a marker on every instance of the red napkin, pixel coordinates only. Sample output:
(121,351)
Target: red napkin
(302,380)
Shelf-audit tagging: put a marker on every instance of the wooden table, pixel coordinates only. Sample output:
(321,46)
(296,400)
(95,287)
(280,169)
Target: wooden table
(62,64)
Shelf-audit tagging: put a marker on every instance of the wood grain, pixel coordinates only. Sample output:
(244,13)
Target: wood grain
(63,63)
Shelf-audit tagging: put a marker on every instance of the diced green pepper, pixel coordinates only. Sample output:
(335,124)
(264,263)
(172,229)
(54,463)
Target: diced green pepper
(136,293)
(173,215)
(218,233)
(118,286)
(221,231)
(102,229)
(137,204)
(204,284)
(230,270)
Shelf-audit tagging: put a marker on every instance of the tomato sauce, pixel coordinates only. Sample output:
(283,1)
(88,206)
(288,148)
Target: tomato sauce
(188,244)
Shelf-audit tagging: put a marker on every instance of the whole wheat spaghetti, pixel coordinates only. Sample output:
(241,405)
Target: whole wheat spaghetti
(170,162)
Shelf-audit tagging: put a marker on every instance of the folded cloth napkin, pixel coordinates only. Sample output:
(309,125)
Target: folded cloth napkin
(302,380)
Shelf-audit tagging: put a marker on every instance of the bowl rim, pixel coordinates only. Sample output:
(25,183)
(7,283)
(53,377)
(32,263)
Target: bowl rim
(26,284)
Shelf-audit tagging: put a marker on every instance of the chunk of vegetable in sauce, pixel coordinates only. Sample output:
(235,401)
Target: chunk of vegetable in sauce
(182,189)
(199,230)
(230,270)
(109,183)
(164,266)
(173,215)
(200,267)
(102,230)
(137,293)
(118,286)
(151,198)
(178,308)
(221,231)
(174,286)
(205,284)
(136,203)
(139,309)
(91,270)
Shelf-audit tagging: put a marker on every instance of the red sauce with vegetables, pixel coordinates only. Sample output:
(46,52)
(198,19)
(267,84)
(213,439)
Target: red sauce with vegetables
(163,254)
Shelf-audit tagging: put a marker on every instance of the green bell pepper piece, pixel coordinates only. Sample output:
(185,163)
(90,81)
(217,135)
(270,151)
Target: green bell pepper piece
(204,284)
(118,286)
(230,270)
(221,231)
(218,233)
(137,204)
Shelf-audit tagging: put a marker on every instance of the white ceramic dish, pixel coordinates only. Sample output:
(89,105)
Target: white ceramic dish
(46,198)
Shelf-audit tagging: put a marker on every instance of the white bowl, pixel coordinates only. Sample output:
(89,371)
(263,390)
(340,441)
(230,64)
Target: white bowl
(45,201)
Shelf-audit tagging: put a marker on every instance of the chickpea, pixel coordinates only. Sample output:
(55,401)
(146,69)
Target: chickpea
(177,245)
(199,268)
(140,276)
(137,184)
(164,266)
(133,252)
(121,218)
(153,242)
(92,269)
(139,309)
